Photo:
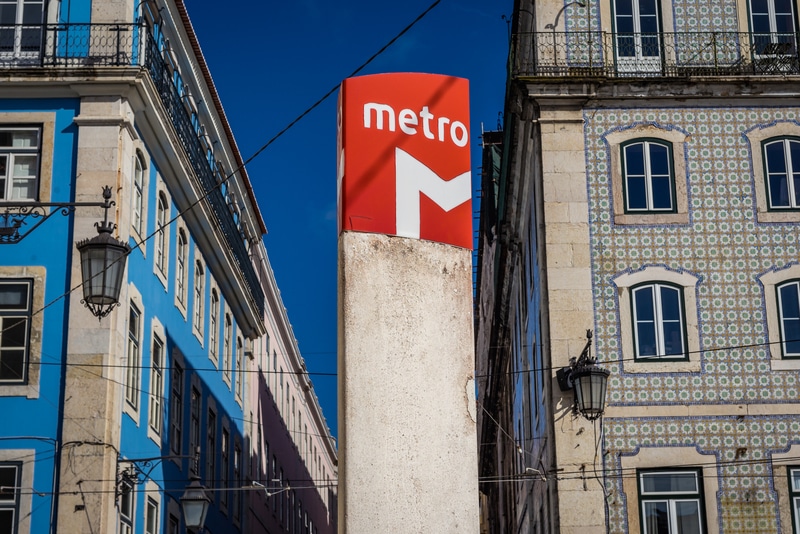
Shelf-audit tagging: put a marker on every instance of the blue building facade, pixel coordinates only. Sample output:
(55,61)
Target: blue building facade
(105,421)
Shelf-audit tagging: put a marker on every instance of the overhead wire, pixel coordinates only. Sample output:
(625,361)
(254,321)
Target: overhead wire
(298,118)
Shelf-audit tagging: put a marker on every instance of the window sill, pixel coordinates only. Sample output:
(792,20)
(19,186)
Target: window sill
(785,364)
(778,216)
(652,218)
(656,366)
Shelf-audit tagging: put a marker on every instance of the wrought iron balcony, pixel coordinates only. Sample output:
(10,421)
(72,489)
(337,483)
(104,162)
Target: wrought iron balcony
(615,55)
(81,46)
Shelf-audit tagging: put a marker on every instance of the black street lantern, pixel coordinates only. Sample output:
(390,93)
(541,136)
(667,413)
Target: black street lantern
(195,503)
(587,380)
(102,265)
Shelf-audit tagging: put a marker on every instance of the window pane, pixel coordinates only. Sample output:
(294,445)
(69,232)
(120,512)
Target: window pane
(796,504)
(670,303)
(32,13)
(8,479)
(669,482)
(778,191)
(6,520)
(776,158)
(14,296)
(673,338)
(634,159)
(656,518)
(688,517)
(662,193)
(643,300)
(790,304)
(659,159)
(12,364)
(637,193)
(13,334)
(8,14)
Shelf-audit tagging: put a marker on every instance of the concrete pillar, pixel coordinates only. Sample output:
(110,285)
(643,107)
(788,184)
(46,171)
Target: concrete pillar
(407,422)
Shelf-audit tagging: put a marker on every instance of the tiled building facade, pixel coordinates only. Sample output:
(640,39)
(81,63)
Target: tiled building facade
(646,193)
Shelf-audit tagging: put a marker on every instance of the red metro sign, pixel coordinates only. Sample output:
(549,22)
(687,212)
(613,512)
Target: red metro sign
(404,157)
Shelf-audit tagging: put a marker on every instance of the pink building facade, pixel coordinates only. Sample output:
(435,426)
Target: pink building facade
(292,453)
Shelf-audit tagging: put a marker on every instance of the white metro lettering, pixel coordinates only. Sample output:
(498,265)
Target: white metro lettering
(409,122)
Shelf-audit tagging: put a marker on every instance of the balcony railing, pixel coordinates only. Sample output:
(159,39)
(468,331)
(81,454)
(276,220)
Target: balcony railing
(603,54)
(80,46)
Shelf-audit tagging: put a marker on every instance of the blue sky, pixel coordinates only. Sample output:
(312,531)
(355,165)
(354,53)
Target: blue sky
(271,60)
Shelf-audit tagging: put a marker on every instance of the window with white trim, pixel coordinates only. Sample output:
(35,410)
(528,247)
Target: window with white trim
(10,481)
(199,295)
(225,452)
(648,174)
(239,368)
(671,501)
(176,407)
(151,517)
(789,318)
(794,495)
(237,480)
(138,193)
(649,180)
(127,508)
(659,329)
(20,153)
(194,420)
(213,325)
(211,449)
(134,358)
(782,169)
(227,343)
(156,384)
(181,256)
(162,212)
(15,327)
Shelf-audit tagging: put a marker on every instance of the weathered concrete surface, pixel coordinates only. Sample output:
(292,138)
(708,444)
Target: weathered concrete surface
(408,456)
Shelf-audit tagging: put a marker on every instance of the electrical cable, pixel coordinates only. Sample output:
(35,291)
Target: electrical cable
(257,153)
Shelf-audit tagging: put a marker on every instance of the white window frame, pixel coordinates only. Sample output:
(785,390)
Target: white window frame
(177,405)
(12,503)
(789,172)
(782,318)
(27,48)
(10,154)
(659,321)
(126,508)
(134,356)
(18,316)
(756,137)
(198,316)
(615,140)
(227,348)
(663,458)
(672,498)
(647,144)
(625,282)
(161,259)
(138,188)
(156,394)
(213,326)
(181,268)
(211,447)
(239,370)
(152,510)
(770,281)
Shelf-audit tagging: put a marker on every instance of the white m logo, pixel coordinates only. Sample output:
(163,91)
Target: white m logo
(414,177)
